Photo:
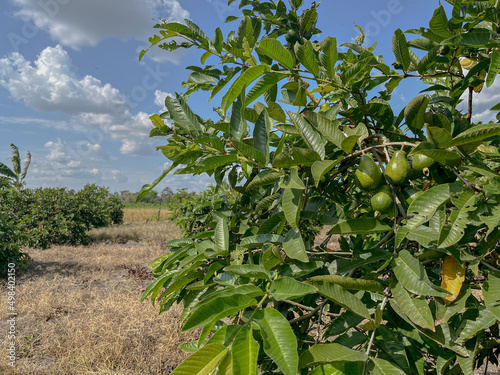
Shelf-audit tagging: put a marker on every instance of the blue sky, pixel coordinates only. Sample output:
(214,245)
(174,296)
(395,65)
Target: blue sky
(73,93)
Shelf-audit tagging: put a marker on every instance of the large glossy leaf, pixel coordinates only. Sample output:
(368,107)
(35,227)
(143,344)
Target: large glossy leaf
(237,123)
(450,158)
(292,205)
(244,80)
(383,367)
(260,239)
(289,288)
(294,246)
(297,156)
(342,297)
(320,168)
(265,83)
(400,49)
(329,353)
(414,112)
(479,37)
(280,342)
(417,309)
(275,50)
(203,362)
(329,369)
(459,219)
(329,57)
(327,128)
(423,208)
(222,235)
(305,54)
(360,226)
(245,353)
(494,67)
(469,328)
(182,114)
(439,23)
(349,282)
(222,303)
(439,136)
(411,274)
(209,164)
(308,133)
(249,270)
(250,152)
(476,134)
(266,177)
(261,134)
(491,293)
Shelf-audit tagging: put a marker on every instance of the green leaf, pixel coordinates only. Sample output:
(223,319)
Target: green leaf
(383,367)
(247,77)
(450,158)
(280,342)
(476,134)
(308,133)
(328,58)
(469,328)
(145,189)
(414,112)
(249,270)
(238,125)
(221,304)
(439,136)
(294,247)
(349,143)
(328,129)
(221,235)
(260,239)
(342,297)
(319,168)
(203,362)
(439,23)
(245,352)
(422,235)
(329,353)
(411,274)
(400,49)
(349,282)
(494,67)
(336,369)
(266,177)
(263,85)
(459,219)
(297,156)
(292,204)
(209,164)
(182,114)
(289,288)
(360,226)
(417,308)
(478,38)
(261,134)
(305,54)
(491,293)
(250,152)
(275,50)
(423,208)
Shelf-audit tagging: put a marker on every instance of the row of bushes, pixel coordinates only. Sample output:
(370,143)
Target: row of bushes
(39,218)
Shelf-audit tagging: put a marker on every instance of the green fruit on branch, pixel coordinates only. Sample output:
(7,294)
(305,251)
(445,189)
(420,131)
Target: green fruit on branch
(292,36)
(419,162)
(368,175)
(383,200)
(398,168)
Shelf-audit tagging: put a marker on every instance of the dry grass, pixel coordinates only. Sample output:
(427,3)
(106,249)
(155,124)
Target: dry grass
(151,232)
(80,313)
(143,214)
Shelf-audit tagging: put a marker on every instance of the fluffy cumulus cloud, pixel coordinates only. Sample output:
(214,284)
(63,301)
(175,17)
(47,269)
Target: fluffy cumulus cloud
(481,104)
(77,23)
(49,84)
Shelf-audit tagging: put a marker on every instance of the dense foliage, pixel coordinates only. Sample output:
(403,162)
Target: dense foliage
(15,176)
(311,139)
(39,218)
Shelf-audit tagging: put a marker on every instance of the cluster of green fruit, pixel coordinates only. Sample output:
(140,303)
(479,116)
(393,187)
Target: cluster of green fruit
(397,173)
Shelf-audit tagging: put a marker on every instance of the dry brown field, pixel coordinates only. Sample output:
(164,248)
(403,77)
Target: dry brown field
(143,214)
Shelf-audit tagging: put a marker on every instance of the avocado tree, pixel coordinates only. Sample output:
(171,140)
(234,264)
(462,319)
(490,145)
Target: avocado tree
(306,135)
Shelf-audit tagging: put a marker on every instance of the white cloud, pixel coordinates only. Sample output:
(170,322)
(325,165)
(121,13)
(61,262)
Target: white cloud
(79,23)
(482,102)
(160,99)
(50,84)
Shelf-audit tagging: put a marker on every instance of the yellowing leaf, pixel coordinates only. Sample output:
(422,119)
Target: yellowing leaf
(468,63)
(479,87)
(453,276)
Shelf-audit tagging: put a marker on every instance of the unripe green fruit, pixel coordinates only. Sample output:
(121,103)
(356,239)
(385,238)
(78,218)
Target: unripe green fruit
(419,162)
(398,168)
(368,175)
(383,200)
(291,36)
